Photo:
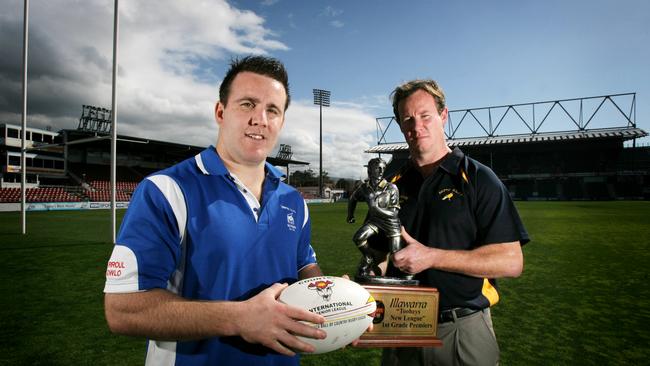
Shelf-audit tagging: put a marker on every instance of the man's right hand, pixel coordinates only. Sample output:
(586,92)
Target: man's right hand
(269,322)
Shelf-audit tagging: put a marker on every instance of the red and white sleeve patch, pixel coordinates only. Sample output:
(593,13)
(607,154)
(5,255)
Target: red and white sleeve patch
(122,271)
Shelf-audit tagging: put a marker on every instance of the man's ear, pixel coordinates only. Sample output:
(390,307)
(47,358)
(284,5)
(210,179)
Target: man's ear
(218,113)
(443,116)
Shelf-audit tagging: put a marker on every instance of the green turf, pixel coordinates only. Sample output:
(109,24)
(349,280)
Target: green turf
(584,297)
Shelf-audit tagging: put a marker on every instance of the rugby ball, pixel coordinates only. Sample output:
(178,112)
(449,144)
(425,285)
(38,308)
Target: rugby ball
(347,307)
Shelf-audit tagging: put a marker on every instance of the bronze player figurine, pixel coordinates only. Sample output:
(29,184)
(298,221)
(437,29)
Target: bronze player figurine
(382,198)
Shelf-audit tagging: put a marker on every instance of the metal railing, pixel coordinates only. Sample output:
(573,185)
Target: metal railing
(491,125)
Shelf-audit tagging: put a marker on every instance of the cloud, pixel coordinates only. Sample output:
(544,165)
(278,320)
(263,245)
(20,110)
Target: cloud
(347,131)
(290,19)
(377,103)
(331,12)
(171,60)
(166,55)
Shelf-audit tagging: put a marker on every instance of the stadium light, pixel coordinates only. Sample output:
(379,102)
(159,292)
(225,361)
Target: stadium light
(322,99)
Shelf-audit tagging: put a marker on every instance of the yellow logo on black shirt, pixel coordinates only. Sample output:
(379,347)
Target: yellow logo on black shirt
(448,194)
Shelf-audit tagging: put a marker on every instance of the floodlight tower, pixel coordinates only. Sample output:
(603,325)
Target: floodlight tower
(322,99)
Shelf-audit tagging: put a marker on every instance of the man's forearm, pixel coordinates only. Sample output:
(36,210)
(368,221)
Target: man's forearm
(487,261)
(309,271)
(161,315)
(158,314)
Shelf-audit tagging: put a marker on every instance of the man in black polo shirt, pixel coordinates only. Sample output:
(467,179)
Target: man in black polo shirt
(460,230)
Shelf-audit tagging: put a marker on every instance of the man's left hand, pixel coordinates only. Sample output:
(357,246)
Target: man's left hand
(414,257)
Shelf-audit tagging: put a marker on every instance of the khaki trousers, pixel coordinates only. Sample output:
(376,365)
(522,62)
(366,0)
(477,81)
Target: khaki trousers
(466,341)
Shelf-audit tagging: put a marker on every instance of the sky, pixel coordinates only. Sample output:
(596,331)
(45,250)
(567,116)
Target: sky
(173,55)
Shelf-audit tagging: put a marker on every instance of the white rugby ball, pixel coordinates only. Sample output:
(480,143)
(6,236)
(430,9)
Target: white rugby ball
(347,307)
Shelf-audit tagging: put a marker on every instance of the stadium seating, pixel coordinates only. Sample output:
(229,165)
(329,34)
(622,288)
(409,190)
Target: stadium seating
(99,191)
(105,196)
(49,194)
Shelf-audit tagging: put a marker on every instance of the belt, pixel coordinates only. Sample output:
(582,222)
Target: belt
(448,315)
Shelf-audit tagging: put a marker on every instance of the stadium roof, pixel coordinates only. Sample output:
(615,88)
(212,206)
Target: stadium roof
(180,148)
(621,133)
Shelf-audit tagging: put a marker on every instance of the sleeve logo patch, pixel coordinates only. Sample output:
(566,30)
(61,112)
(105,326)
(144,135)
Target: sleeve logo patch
(123,265)
(115,269)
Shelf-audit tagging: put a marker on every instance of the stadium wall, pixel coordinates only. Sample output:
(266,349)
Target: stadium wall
(61,206)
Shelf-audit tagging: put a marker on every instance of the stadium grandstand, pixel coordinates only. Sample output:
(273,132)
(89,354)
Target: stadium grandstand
(70,169)
(576,163)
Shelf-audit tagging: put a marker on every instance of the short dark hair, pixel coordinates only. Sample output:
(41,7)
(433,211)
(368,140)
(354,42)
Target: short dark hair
(261,65)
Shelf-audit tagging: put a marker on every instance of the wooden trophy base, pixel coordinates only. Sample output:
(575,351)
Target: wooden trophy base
(406,316)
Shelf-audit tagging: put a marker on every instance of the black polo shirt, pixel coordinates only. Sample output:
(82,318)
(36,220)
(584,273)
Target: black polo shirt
(461,206)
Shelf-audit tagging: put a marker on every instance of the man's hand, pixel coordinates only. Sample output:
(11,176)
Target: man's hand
(414,257)
(276,325)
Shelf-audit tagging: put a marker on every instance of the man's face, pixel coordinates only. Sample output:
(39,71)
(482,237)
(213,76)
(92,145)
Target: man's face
(251,120)
(421,124)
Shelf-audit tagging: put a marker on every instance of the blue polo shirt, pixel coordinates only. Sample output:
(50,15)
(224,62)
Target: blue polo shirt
(193,229)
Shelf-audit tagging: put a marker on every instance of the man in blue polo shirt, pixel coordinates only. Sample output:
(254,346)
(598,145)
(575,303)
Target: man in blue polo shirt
(461,231)
(207,245)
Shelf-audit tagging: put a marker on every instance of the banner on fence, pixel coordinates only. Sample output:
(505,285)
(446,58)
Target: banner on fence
(61,206)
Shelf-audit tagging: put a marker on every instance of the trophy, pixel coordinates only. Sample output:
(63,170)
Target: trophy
(407,314)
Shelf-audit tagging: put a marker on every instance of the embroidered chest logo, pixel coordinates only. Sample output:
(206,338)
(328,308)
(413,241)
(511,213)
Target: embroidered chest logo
(448,194)
(323,289)
(291,222)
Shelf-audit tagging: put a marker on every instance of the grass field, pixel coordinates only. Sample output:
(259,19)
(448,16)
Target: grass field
(584,297)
